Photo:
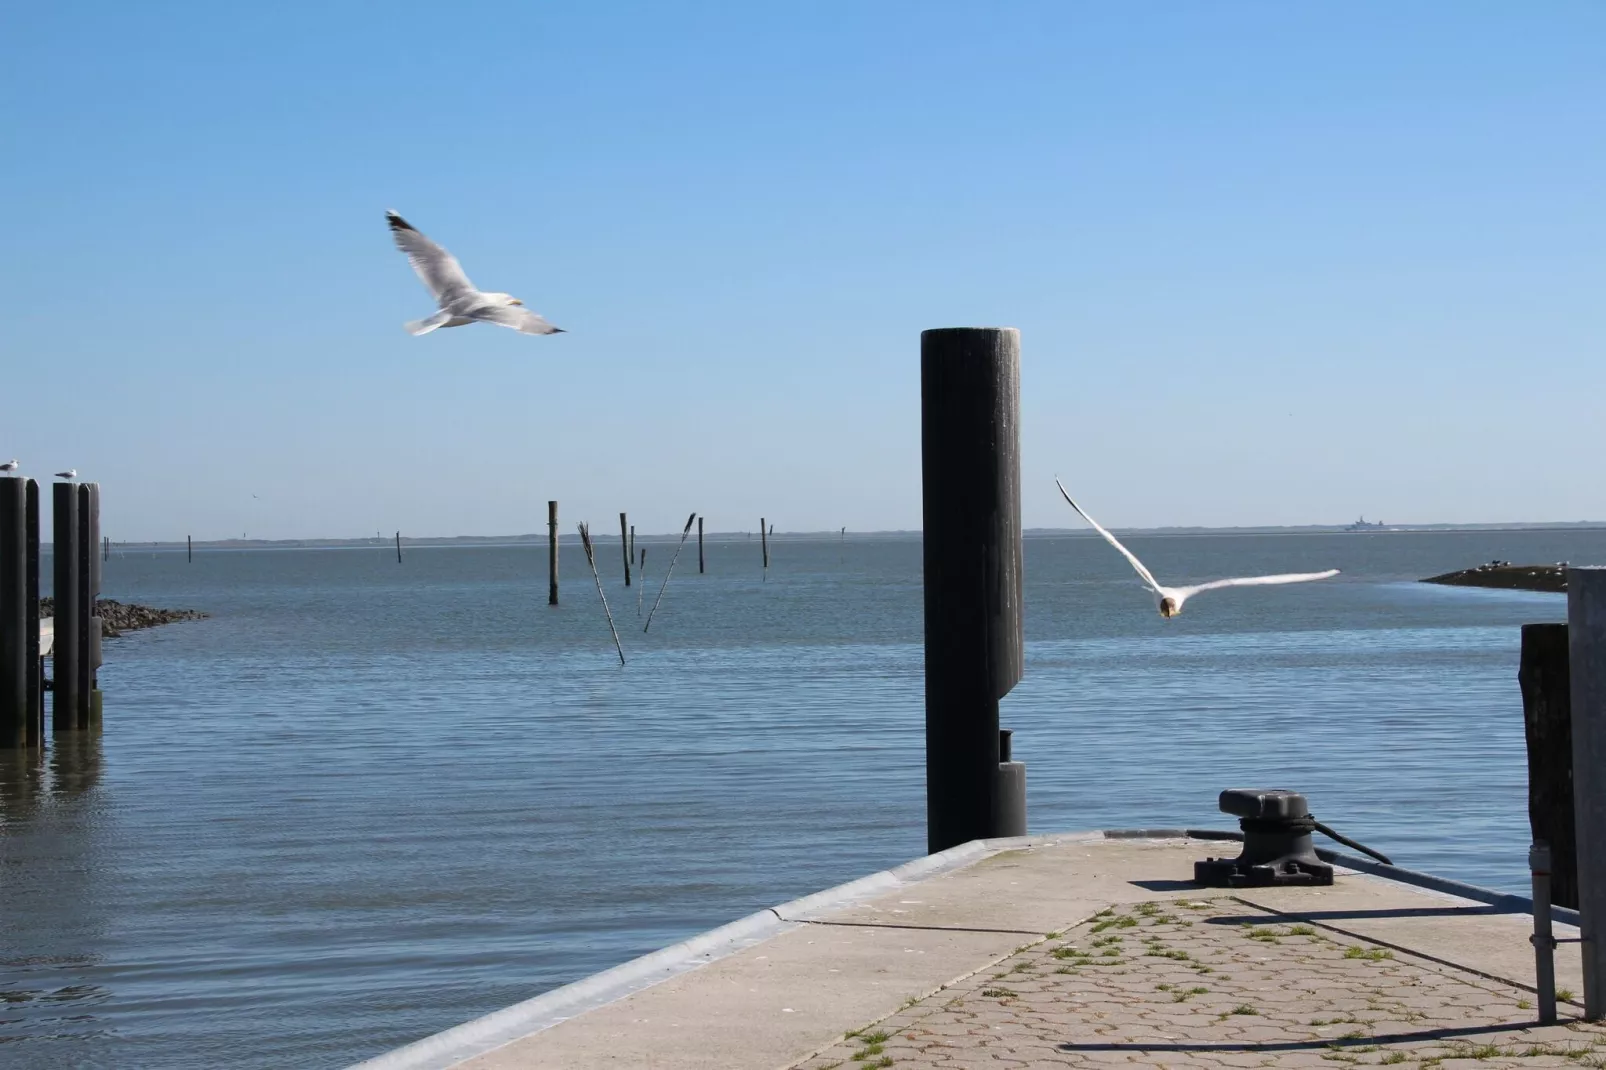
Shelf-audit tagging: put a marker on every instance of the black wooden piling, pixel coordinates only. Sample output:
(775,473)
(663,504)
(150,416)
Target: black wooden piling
(36,683)
(88,621)
(552,553)
(65,652)
(1547,727)
(624,545)
(630,551)
(398,548)
(14,665)
(189,549)
(702,564)
(764,541)
(970,467)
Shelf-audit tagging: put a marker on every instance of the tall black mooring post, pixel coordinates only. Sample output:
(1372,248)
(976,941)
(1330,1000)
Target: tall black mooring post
(18,672)
(970,462)
(65,589)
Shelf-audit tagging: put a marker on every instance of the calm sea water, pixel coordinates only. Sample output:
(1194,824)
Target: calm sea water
(367,801)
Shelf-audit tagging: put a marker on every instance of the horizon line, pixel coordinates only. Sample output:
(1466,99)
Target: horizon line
(842,533)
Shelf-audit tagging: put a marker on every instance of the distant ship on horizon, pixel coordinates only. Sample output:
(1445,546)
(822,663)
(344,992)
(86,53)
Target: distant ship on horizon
(1362,525)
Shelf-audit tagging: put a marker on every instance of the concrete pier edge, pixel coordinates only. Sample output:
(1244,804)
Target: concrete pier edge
(489,1032)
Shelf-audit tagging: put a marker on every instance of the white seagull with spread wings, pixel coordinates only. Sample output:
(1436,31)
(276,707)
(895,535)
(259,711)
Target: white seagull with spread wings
(1170,599)
(460,302)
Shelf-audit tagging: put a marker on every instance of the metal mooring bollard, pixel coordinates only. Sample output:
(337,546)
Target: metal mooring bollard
(1277,847)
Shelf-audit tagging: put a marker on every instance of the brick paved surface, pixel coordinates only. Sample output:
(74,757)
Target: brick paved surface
(1216,983)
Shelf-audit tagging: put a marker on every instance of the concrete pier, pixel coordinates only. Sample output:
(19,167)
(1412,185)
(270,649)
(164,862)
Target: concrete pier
(1084,949)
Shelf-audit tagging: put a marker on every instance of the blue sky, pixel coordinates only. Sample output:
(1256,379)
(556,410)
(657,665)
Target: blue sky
(1271,263)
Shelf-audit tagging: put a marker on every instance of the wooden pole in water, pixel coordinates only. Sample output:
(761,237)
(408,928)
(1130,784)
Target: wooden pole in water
(669,571)
(702,565)
(624,546)
(585,541)
(971,536)
(641,588)
(1586,658)
(36,684)
(189,549)
(14,666)
(552,553)
(65,652)
(1547,727)
(398,548)
(764,540)
(89,626)
(630,551)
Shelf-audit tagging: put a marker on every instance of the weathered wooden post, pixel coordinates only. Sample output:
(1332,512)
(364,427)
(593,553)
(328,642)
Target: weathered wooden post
(189,549)
(1586,657)
(970,466)
(65,651)
(398,548)
(14,665)
(630,551)
(552,553)
(624,546)
(702,564)
(764,540)
(1547,727)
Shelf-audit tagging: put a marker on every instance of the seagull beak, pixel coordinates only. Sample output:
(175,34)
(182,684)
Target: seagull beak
(515,301)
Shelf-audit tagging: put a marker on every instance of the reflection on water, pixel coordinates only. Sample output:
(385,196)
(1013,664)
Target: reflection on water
(44,998)
(67,769)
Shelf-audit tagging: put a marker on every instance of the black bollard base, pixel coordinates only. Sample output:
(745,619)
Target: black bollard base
(1009,797)
(1277,845)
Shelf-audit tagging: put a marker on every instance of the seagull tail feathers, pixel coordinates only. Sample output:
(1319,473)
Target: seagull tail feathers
(429,323)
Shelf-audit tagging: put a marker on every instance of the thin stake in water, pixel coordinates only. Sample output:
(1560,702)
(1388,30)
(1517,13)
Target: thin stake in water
(641,574)
(670,571)
(585,540)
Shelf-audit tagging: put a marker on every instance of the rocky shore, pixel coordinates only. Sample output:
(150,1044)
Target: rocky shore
(1505,576)
(119,617)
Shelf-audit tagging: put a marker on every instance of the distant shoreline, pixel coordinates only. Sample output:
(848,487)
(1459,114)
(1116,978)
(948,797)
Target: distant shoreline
(832,536)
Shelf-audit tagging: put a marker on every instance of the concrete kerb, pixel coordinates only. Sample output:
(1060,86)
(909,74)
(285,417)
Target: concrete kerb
(494,1030)
(480,1035)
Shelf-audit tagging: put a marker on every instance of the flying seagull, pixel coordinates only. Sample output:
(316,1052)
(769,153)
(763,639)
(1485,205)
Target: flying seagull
(9,467)
(460,302)
(71,473)
(1170,599)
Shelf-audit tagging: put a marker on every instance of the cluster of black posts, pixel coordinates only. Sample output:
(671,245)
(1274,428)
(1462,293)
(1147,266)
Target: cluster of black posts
(73,634)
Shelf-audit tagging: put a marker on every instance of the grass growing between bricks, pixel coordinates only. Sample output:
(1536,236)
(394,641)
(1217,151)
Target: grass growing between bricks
(1277,994)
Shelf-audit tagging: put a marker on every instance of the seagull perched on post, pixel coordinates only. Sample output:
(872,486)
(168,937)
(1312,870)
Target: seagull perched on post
(71,473)
(9,467)
(460,302)
(1170,599)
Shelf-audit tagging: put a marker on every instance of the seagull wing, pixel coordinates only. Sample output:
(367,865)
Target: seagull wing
(1148,577)
(517,317)
(438,268)
(1255,581)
